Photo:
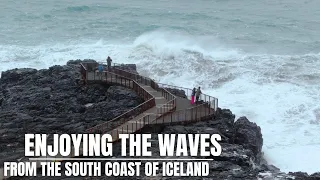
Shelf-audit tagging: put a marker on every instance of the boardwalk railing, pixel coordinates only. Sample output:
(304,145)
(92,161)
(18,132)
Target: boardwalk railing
(204,97)
(165,113)
(140,79)
(193,114)
(131,127)
(118,121)
(212,101)
(124,81)
(167,107)
(83,71)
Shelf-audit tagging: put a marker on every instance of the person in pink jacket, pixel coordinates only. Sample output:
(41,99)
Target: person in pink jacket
(192,95)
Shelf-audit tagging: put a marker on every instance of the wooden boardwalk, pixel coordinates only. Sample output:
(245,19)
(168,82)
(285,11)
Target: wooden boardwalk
(150,115)
(163,112)
(161,106)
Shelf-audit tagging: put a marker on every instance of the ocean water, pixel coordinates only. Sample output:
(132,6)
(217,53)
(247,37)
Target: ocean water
(260,58)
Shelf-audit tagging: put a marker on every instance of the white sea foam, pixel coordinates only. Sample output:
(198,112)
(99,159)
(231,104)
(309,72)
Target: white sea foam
(280,93)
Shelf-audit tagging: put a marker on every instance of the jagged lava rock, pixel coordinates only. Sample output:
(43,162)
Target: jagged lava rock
(51,101)
(248,134)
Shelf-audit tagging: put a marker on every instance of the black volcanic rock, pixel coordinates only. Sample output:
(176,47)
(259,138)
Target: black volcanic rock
(248,134)
(51,101)
(15,75)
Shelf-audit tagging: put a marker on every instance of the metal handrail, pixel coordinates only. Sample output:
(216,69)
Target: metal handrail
(150,100)
(133,75)
(167,94)
(212,101)
(195,114)
(164,109)
(142,79)
(122,79)
(188,91)
(204,97)
(115,121)
(167,107)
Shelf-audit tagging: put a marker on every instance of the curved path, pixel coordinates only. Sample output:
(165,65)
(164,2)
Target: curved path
(160,106)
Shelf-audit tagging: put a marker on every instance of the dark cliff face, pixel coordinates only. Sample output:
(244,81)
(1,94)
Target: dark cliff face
(241,145)
(51,101)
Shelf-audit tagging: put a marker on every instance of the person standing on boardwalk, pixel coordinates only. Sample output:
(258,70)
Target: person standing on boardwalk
(192,95)
(100,70)
(198,93)
(109,61)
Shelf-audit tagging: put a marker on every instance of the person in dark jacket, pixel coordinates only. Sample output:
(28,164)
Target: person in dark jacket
(198,93)
(192,95)
(109,61)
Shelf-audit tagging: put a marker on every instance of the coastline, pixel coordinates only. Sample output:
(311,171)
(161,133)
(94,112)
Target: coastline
(31,98)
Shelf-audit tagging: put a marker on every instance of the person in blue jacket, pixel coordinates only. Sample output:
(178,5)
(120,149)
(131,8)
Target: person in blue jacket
(100,70)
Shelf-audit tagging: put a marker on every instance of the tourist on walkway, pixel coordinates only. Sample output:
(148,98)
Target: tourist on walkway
(109,61)
(192,95)
(198,93)
(100,71)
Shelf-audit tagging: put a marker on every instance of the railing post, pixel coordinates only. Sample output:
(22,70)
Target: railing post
(141,123)
(216,105)
(185,115)
(192,118)
(163,119)
(117,134)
